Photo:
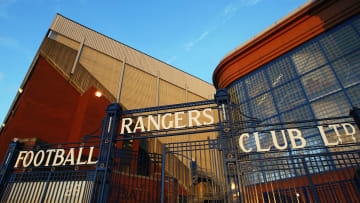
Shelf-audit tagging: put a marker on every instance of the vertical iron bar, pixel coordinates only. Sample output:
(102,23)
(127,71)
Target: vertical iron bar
(163,175)
(334,159)
(46,187)
(168,175)
(286,179)
(328,177)
(211,176)
(312,186)
(172,179)
(178,176)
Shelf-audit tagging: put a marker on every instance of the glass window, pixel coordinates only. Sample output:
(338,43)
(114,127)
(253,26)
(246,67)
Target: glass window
(314,141)
(354,95)
(240,112)
(300,114)
(244,110)
(314,81)
(307,58)
(234,97)
(340,42)
(289,96)
(348,69)
(356,24)
(239,91)
(320,83)
(303,85)
(331,106)
(280,72)
(262,106)
(256,84)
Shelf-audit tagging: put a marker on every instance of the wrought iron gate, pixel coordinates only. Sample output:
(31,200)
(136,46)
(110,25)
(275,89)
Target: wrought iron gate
(330,175)
(204,164)
(46,183)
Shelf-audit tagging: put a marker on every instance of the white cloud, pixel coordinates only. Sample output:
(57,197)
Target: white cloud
(4,5)
(249,3)
(253,2)
(170,60)
(229,10)
(225,15)
(203,35)
(191,44)
(232,8)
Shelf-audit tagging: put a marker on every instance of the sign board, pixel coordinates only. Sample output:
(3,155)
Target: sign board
(297,140)
(175,120)
(55,157)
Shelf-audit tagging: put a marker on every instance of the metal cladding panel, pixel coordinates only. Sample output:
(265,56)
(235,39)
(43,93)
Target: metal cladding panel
(193,97)
(62,58)
(170,94)
(139,89)
(103,68)
(59,54)
(135,58)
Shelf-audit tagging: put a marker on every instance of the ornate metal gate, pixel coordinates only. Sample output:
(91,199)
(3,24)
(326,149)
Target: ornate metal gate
(196,159)
(46,182)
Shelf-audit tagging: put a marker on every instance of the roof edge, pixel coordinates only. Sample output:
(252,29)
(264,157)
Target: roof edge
(259,37)
(303,24)
(58,14)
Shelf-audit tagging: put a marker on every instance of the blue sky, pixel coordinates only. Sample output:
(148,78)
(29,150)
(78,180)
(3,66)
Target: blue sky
(192,35)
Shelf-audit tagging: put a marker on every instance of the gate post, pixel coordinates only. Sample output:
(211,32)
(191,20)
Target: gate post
(7,164)
(227,141)
(102,185)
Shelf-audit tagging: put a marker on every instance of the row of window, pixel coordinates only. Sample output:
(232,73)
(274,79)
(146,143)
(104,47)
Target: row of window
(320,79)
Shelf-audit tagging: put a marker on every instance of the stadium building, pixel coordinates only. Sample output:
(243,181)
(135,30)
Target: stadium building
(304,67)
(77,72)
(98,121)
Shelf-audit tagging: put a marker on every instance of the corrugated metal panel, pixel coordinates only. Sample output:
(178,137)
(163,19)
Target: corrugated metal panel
(59,54)
(193,97)
(139,89)
(104,68)
(63,57)
(170,94)
(135,58)
(84,80)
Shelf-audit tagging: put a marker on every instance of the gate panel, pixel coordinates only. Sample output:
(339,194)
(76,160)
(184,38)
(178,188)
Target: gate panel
(51,173)
(36,188)
(212,170)
(136,177)
(194,172)
(302,176)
